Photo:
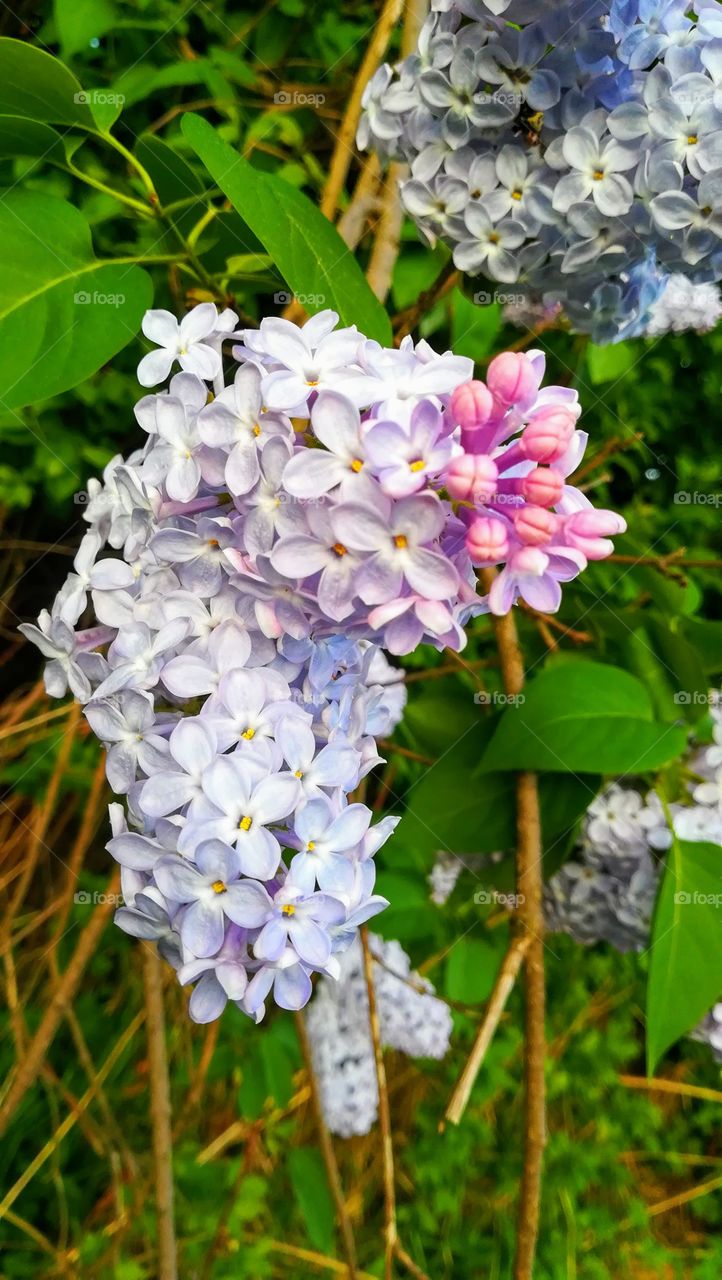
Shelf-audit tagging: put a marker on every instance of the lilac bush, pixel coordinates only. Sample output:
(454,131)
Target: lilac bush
(571,149)
(243,574)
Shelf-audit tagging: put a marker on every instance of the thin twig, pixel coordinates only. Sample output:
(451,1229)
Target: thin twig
(387,1149)
(318,1260)
(344,149)
(327,1151)
(408,319)
(160,1114)
(497,1001)
(530,922)
(363,204)
(657,1084)
(388,233)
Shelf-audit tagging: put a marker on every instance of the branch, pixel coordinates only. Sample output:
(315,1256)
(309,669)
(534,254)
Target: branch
(388,233)
(530,922)
(160,1113)
(344,149)
(387,1149)
(327,1151)
(497,1001)
(408,319)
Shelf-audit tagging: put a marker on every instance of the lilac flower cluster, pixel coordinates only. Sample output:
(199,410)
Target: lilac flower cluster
(411,1019)
(572,146)
(607,892)
(268,539)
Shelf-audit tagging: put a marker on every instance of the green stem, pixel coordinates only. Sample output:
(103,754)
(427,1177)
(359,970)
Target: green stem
(136,205)
(134,162)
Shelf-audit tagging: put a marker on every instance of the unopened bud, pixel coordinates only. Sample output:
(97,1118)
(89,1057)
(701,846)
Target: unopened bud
(472,476)
(543,486)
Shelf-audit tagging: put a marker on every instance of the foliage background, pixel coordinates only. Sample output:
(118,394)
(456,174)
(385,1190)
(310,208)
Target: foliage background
(251,1195)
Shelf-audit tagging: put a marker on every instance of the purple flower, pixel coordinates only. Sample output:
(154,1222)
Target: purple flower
(336,423)
(211,890)
(404,460)
(321,551)
(325,839)
(393,537)
(239,802)
(192,747)
(292,918)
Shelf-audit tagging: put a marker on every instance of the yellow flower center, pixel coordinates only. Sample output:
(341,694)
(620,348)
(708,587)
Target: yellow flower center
(298,773)
(248,734)
(218,886)
(598,175)
(692,139)
(517,195)
(357,464)
(256,430)
(311,846)
(288,909)
(245,824)
(401,541)
(339,548)
(417,465)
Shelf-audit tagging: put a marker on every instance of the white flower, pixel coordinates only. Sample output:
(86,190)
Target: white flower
(184,342)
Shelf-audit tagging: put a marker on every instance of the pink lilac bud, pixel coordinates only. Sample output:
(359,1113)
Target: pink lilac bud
(548,435)
(535,525)
(589,532)
(512,379)
(543,486)
(472,476)
(487,540)
(472,405)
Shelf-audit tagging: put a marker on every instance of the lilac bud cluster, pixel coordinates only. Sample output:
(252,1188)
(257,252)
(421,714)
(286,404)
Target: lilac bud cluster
(570,147)
(411,1019)
(242,570)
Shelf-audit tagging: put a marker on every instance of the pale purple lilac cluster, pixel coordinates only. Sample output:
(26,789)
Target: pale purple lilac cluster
(572,147)
(225,622)
(607,892)
(411,1019)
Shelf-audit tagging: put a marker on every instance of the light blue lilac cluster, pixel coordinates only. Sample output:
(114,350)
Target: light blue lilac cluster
(242,571)
(571,147)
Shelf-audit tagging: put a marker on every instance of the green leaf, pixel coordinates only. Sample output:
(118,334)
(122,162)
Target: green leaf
(22,137)
(80,21)
(685,966)
(310,1187)
(173,178)
(308,251)
(39,87)
(471,968)
(608,364)
(63,313)
(583,717)
(475,325)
